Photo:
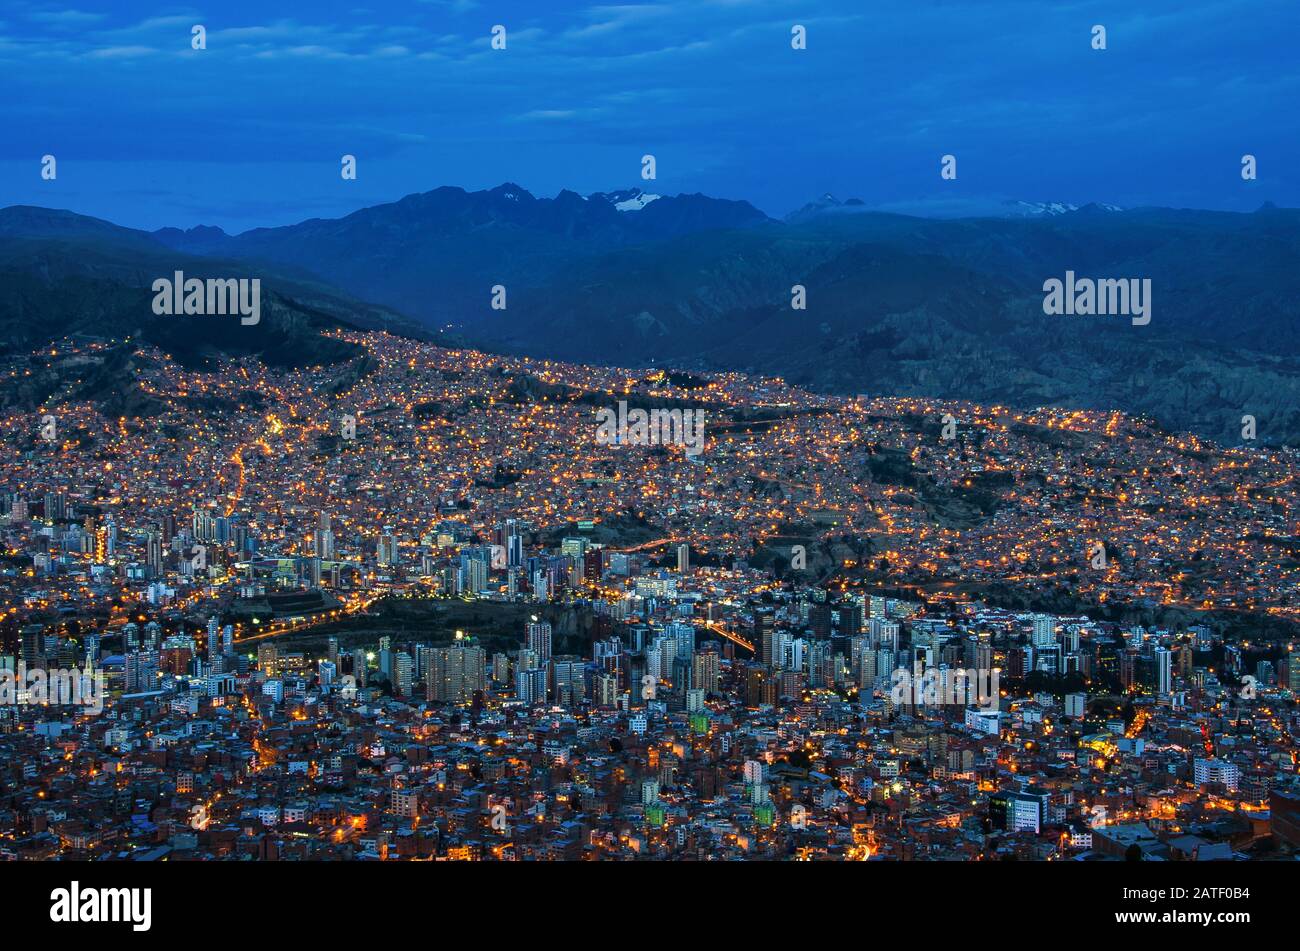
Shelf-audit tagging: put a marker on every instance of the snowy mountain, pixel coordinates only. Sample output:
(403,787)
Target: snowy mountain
(627,199)
(1049,209)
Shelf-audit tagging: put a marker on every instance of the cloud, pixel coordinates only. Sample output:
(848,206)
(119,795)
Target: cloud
(712,87)
(456,6)
(121,52)
(69,18)
(550,114)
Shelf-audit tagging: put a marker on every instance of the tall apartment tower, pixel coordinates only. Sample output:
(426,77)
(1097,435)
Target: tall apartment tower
(764,637)
(455,673)
(323,541)
(538,640)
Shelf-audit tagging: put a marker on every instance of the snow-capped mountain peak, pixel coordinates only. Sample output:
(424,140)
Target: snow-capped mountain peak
(1050,209)
(627,199)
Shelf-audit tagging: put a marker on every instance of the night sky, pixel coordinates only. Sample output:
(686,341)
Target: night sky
(249,132)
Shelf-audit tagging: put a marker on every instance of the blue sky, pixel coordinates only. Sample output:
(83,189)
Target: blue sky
(248,132)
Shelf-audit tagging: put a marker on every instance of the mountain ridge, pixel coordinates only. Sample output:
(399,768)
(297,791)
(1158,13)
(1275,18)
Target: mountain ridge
(922,306)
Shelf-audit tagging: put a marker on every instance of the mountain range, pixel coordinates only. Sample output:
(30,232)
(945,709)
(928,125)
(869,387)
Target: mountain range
(895,304)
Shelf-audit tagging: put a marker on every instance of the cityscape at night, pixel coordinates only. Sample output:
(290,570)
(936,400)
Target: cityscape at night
(431,616)
(604,434)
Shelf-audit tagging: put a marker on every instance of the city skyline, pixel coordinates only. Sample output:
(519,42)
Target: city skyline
(414,605)
(680,431)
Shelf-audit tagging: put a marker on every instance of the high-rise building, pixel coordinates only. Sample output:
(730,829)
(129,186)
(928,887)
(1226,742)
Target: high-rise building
(683,638)
(568,680)
(141,671)
(593,565)
(705,672)
(850,619)
(323,540)
(154,553)
(455,673)
(530,685)
(501,669)
(360,667)
(1044,630)
(472,576)
(386,548)
(760,686)
(819,619)
(868,669)
(1163,670)
(606,689)
(538,639)
(268,656)
(403,674)
(883,633)
(56,506)
(765,637)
